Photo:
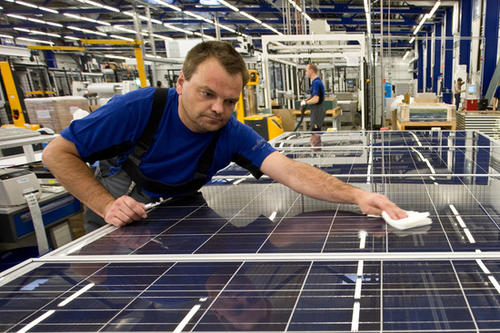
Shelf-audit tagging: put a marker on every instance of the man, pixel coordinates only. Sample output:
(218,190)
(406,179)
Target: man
(457,90)
(317,97)
(496,97)
(196,136)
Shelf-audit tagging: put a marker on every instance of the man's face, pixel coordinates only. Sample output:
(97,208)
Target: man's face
(207,100)
(308,71)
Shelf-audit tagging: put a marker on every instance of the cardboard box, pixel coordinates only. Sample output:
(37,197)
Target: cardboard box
(54,112)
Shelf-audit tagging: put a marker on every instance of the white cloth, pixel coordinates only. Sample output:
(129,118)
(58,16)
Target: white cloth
(303,103)
(414,219)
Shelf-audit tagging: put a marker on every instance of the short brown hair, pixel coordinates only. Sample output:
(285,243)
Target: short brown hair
(225,54)
(313,67)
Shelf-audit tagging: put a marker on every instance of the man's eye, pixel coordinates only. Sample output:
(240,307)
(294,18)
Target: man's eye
(206,93)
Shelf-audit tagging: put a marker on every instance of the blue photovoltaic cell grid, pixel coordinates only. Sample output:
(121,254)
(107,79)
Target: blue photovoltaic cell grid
(423,296)
(452,175)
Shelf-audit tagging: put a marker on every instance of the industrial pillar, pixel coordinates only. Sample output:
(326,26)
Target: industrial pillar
(465,32)
(420,65)
(437,57)
(490,25)
(428,68)
(448,57)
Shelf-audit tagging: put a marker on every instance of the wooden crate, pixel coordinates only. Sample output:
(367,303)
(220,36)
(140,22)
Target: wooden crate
(426,125)
(423,112)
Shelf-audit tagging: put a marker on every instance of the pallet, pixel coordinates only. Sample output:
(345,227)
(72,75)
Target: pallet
(426,125)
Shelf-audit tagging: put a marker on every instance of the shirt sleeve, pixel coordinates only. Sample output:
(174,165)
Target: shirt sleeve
(315,88)
(497,92)
(251,149)
(112,129)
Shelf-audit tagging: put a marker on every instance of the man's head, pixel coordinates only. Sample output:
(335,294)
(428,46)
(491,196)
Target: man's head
(227,56)
(311,70)
(459,80)
(209,86)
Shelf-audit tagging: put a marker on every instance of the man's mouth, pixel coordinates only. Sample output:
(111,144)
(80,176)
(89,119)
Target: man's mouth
(214,118)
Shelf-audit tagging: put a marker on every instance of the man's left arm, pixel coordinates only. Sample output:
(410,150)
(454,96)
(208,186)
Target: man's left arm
(313,100)
(318,184)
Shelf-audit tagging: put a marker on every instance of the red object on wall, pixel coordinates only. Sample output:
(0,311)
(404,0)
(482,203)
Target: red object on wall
(471,104)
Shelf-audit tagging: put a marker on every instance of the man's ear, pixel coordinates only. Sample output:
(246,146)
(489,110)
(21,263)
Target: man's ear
(180,83)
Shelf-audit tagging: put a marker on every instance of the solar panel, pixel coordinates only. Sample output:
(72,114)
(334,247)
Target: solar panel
(253,255)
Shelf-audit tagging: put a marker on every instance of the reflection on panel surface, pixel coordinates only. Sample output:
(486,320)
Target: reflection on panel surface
(270,218)
(452,175)
(425,296)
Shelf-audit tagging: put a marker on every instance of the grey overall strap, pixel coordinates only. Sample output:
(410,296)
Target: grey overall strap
(131,164)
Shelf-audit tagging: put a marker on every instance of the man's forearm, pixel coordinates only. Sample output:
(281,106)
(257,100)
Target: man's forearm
(313,100)
(76,177)
(318,184)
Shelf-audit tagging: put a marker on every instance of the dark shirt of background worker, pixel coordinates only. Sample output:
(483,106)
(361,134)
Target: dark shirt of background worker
(496,97)
(457,90)
(316,99)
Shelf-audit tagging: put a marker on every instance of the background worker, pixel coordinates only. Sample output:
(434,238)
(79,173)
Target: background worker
(496,97)
(315,102)
(195,137)
(457,91)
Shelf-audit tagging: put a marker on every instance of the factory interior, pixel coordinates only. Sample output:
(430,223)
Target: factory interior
(408,96)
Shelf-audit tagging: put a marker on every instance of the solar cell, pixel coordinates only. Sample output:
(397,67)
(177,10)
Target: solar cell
(253,255)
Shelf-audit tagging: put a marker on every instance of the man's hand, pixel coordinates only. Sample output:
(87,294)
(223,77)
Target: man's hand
(124,210)
(374,204)
(303,103)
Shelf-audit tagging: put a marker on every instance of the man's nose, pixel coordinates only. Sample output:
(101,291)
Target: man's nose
(218,106)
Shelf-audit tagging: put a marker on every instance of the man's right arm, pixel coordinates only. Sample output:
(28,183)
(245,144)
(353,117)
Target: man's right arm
(63,160)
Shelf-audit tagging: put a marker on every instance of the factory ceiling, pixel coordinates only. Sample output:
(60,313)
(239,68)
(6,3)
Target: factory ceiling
(62,22)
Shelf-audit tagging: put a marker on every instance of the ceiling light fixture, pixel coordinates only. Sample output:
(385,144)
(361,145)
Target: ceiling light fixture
(122,38)
(130,31)
(87,31)
(83,18)
(20,17)
(250,17)
(204,36)
(36,32)
(228,5)
(427,16)
(162,37)
(96,4)
(34,40)
(27,4)
(144,18)
(166,4)
(173,27)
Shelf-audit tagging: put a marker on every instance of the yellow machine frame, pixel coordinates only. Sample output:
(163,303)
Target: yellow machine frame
(12,95)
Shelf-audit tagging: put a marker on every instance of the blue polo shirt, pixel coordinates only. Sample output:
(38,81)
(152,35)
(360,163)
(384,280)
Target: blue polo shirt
(497,93)
(173,156)
(318,89)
